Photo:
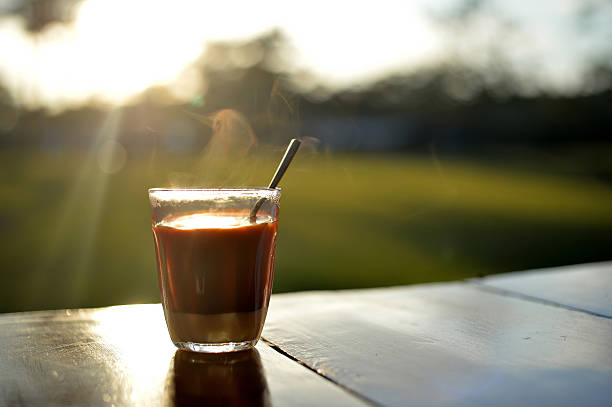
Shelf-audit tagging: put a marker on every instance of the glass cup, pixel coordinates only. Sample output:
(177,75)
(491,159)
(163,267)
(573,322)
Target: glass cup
(215,264)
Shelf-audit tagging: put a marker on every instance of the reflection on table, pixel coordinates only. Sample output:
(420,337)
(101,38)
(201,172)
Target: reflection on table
(231,379)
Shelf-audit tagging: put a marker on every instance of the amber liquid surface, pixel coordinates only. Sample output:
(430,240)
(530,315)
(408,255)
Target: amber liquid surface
(215,273)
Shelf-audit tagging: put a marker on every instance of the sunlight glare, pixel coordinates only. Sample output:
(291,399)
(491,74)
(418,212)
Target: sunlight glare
(135,43)
(139,337)
(83,208)
(115,50)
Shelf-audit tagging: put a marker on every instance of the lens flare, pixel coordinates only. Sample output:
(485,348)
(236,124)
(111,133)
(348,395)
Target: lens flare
(111,157)
(81,210)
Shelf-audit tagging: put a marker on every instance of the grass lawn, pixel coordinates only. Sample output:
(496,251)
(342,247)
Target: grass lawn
(73,236)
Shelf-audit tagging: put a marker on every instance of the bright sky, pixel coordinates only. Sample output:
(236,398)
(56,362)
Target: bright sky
(116,48)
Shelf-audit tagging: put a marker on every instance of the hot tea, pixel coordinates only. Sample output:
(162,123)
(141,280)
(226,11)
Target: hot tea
(215,272)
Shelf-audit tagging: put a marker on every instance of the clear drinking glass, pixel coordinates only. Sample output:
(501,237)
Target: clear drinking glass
(215,264)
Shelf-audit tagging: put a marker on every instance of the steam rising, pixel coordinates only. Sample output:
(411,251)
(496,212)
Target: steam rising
(232,137)
(232,155)
(229,156)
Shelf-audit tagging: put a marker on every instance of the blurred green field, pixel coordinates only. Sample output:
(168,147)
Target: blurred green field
(73,236)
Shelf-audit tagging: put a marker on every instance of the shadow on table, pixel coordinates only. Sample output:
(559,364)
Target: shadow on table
(230,379)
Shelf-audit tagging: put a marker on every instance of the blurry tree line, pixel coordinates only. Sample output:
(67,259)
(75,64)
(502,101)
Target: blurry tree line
(448,108)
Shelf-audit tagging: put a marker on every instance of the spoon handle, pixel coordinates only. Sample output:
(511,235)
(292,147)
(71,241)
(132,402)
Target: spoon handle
(280,171)
(282,167)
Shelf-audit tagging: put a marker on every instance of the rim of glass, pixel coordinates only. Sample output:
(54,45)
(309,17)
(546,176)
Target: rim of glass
(213,189)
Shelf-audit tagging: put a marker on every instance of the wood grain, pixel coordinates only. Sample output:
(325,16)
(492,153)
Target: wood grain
(447,344)
(122,356)
(586,287)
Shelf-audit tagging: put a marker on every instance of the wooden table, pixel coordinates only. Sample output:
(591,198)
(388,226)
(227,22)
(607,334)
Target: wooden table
(529,338)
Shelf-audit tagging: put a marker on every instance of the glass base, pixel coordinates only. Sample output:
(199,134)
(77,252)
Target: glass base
(215,347)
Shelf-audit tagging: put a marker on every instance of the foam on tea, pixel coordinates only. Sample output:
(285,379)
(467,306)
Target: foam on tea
(211,220)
